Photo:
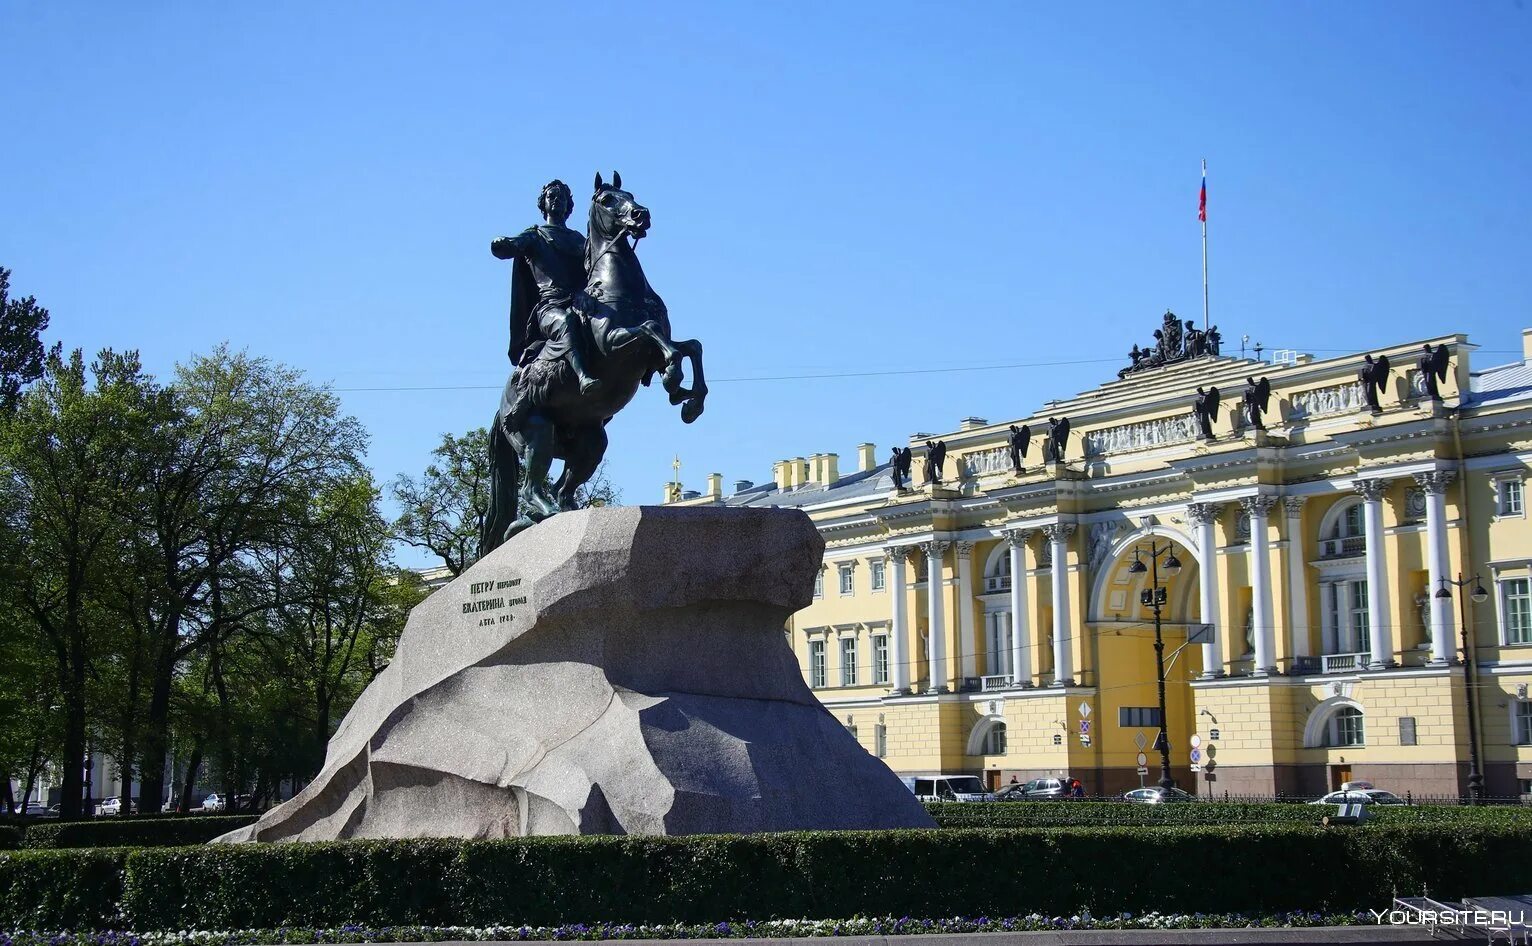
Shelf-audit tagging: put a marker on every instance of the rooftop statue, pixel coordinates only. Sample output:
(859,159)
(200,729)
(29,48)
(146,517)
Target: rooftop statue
(1174,341)
(1205,407)
(899,466)
(1374,377)
(1257,400)
(1057,440)
(936,458)
(1018,442)
(1433,367)
(586,330)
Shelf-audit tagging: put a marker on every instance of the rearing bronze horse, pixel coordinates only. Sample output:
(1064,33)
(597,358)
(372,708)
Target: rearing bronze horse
(544,415)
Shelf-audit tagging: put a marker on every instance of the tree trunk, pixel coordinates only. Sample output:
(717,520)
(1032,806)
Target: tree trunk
(193,766)
(72,805)
(156,742)
(10,796)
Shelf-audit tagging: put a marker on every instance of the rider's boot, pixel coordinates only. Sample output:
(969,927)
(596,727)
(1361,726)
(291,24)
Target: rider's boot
(589,383)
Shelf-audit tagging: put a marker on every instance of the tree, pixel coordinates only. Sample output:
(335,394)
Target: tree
(252,445)
(443,511)
(61,470)
(22,322)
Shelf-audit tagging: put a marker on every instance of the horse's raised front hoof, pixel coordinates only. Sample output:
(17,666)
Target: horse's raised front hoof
(691,410)
(591,386)
(681,395)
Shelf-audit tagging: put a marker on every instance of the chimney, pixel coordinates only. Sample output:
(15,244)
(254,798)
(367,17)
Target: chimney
(741,485)
(800,474)
(779,472)
(715,485)
(866,457)
(969,423)
(816,468)
(830,467)
(1526,344)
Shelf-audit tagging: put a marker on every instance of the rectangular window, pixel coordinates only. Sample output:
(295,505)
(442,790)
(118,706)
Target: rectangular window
(880,741)
(1407,730)
(1359,616)
(846,586)
(848,661)
(1516,605)
(819,584)
(1524,722)
(1138,716)
(877,575)
(816,663)
(1347,729)
(880,659)
(1510,497)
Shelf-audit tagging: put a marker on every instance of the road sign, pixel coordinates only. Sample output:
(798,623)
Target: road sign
(1139,740)
(1213,734)
(1142,770)
(1196,767)
(1084,739)
(1084,725)
(1143,759)
(1084,708)
(1196,740)
(1196,755)
(1199,634)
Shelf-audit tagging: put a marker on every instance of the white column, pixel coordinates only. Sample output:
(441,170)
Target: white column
(1063,658)
(1435,487)
(1297,579)
(1204,515)
(936,617)
(1021,623)
(1260,583)
(1329,642)
(898,659)
(1379,619)
(966,631)
(1346,638)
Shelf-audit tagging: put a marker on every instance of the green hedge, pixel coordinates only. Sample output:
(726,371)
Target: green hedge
(56,890)
(132,832)
(967,872)
(1068,814)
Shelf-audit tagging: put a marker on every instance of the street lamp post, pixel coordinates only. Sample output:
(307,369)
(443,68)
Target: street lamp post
(1155,597)
(1475,778)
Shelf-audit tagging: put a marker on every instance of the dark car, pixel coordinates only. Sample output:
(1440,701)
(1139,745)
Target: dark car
(1043,789)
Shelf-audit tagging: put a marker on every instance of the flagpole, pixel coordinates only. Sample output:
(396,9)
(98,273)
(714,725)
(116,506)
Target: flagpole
(1204,217)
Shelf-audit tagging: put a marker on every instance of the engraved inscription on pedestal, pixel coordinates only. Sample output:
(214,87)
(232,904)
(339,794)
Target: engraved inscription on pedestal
(494,596)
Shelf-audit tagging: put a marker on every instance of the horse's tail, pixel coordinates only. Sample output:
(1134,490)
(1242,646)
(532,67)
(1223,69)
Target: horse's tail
(504,471)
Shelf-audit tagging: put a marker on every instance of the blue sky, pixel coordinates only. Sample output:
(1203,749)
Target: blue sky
(836,188)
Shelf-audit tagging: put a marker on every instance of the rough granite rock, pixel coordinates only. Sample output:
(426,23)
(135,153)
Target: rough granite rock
(609,671)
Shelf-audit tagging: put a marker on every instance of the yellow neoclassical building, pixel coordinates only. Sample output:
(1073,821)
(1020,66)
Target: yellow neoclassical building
(995,624)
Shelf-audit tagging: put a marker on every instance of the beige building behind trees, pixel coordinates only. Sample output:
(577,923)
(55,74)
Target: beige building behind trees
(993,624)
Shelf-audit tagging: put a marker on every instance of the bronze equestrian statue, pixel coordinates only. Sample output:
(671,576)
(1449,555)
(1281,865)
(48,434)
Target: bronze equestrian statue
(586,330)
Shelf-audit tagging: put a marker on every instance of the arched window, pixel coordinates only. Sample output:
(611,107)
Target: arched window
(1347,728)
(1351,523)
(994,740)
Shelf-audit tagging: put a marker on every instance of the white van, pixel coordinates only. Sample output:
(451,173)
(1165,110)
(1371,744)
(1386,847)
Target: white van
(947,787)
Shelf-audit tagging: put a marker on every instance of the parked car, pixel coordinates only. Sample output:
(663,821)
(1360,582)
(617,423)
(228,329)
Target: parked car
(36,811)
(947,788)
(1157,796)
(113,806)
(1042,789)
(215,802)
(1360,796)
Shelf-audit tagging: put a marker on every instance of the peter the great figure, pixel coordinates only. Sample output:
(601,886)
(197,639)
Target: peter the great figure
(586,330)
(549,272)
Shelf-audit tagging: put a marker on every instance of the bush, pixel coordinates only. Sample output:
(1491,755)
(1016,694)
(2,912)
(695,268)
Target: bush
(55,890)
(1065,814)
(1247,868)
(132,832)
(10,837)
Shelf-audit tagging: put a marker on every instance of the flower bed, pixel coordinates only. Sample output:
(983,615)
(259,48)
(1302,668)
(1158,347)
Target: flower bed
(748,929)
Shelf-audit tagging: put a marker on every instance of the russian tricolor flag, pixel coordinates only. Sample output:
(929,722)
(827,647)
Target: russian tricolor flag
(1202,199)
